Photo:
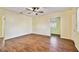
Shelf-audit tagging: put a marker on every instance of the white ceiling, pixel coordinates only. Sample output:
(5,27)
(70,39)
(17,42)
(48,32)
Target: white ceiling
(46,10)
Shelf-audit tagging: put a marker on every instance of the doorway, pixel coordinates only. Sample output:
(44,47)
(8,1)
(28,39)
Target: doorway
(55,26)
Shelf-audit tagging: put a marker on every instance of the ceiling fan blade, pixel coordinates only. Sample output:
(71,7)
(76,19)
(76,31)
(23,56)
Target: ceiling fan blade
(40,12)
(29,13)
(28,9)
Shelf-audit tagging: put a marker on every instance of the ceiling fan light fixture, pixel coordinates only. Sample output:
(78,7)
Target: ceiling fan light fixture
(33,10)
(36,13)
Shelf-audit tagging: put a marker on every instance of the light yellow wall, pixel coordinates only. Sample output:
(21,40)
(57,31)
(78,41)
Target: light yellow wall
(66,24)
(77,41)
(16,24)
(41,25)
(0,25)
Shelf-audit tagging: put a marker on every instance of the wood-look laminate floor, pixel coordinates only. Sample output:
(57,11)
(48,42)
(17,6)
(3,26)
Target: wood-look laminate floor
(58,44)
(38,43)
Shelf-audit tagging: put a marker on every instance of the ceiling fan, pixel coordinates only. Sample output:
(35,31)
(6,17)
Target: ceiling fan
(35,10)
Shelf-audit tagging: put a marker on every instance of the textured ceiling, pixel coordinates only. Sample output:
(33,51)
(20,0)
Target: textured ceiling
(46,10)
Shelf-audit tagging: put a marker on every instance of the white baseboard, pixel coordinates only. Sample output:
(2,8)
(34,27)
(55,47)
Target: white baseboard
(42,34)
(6,38)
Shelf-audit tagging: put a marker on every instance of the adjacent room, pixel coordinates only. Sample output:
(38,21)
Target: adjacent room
(39,29)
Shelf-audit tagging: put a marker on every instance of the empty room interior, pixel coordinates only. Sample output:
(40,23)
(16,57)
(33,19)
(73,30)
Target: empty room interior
(39,29)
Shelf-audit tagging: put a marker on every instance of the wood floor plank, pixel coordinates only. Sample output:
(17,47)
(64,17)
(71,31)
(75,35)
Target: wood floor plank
(38,43)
